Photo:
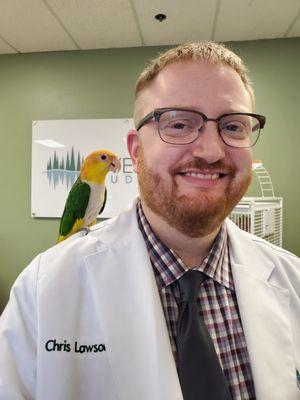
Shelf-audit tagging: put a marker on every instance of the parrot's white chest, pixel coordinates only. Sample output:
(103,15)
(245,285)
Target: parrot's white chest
(95,202)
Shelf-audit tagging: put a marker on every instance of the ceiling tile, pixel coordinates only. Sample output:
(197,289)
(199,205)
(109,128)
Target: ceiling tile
(254,19)
(48,25)
(99,24)
(29,26)
(187,21)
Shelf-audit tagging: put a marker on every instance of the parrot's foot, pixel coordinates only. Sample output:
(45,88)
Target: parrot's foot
(85,229)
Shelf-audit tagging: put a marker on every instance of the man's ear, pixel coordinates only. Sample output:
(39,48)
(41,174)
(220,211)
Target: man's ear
(133,144)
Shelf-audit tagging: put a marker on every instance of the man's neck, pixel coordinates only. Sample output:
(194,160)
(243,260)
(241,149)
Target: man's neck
(192,251)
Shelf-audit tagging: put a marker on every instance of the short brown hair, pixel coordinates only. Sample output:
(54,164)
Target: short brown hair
(212,52)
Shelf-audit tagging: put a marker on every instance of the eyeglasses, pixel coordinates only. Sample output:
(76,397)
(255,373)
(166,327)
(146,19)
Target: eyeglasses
(180,126)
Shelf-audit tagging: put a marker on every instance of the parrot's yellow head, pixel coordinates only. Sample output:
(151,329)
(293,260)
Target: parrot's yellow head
(97,164)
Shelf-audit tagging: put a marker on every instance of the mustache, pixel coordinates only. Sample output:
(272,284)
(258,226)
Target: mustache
(201,164)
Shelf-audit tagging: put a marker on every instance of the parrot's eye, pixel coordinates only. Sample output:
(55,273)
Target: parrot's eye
(103,157)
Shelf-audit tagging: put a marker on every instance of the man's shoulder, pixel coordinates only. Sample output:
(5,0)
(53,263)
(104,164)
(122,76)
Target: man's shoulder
(71,253)
(264,260)
(250,247)
(64,268)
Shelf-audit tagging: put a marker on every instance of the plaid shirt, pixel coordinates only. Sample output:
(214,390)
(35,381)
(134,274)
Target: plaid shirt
(217,302)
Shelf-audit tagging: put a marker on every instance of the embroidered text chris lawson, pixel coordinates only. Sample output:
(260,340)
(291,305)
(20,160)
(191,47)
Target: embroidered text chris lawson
(54,345)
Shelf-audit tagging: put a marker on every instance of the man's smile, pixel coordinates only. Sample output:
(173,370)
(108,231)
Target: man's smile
(201,179)
(203,175)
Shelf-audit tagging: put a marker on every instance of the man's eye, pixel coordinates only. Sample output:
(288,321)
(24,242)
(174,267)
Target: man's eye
(180,125)
(232,127)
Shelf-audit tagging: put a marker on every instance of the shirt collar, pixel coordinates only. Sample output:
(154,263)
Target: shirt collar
(168,267)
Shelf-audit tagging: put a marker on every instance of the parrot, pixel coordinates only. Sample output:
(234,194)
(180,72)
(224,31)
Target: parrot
(87,197)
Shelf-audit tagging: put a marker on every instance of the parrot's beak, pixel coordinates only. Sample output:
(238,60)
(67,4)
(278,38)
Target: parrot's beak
(115,165)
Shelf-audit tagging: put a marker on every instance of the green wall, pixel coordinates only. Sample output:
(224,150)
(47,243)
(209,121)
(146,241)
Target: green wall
(99,84)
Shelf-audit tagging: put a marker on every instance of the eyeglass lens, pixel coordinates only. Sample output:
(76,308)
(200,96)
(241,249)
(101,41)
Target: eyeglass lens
(183,127)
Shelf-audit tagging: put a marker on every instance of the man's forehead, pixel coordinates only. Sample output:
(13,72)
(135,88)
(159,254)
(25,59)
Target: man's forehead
(192,76)
(200,68)
(181,80)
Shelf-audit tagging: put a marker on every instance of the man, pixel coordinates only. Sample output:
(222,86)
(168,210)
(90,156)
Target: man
(101,316)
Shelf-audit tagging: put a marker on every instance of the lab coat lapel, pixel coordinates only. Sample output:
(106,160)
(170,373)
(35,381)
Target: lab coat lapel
(132,320)
(264,311)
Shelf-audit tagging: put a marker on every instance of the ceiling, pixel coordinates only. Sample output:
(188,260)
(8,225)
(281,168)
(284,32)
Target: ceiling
(55,25)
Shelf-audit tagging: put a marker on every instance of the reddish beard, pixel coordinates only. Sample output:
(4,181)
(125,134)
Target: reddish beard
(194,216)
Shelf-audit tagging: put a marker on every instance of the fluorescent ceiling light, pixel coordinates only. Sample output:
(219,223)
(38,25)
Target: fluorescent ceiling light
(49,143)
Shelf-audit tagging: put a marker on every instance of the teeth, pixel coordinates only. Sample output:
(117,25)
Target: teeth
(202,176)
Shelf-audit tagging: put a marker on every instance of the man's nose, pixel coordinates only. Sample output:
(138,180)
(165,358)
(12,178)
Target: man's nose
(209,145)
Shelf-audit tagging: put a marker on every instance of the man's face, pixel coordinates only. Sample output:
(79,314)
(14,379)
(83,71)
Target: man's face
(192,187)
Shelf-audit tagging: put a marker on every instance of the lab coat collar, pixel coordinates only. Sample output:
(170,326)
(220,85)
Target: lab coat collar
(265,315)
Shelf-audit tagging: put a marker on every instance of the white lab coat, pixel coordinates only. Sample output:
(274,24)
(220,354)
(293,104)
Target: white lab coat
(100,290)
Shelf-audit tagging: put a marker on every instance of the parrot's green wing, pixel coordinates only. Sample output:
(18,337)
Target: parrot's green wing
(104,202)
(75,207)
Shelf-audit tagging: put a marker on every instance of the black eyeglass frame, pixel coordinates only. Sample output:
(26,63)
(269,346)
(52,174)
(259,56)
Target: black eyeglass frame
(158,112)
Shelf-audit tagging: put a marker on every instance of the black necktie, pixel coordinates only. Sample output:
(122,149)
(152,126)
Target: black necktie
(200,373)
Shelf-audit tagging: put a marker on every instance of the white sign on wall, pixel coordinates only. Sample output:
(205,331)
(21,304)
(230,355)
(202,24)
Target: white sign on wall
(58,148)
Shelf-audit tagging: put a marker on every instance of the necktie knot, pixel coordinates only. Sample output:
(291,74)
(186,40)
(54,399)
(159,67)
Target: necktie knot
(189,285)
